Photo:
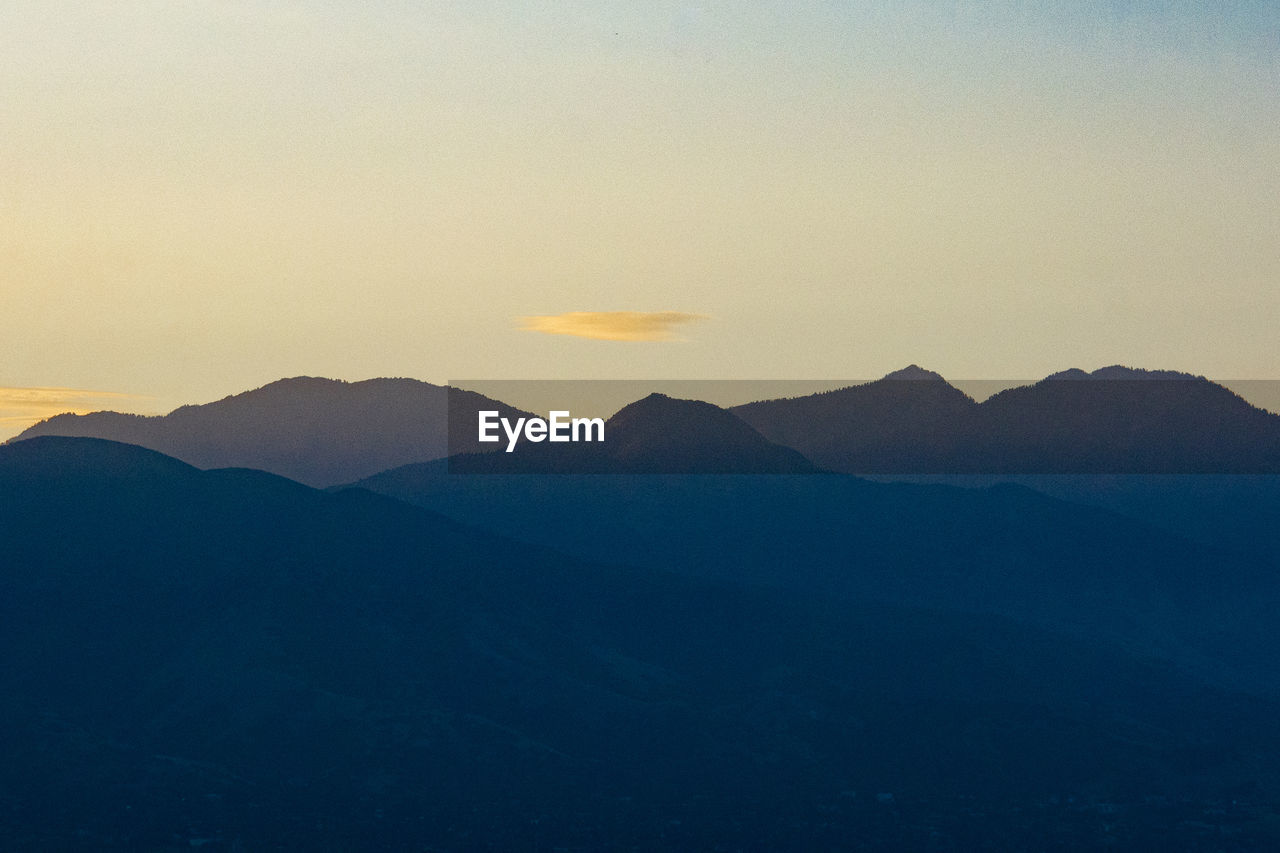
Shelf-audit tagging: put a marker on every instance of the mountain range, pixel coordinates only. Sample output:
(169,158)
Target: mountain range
(1115,420)
(655,435)
(1005,550)
(317,431)
(229,660)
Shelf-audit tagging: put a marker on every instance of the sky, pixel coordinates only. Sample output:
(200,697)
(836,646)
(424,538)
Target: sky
(198,197)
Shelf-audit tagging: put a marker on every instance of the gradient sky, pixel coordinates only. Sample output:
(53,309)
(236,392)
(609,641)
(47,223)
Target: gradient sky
(197,197)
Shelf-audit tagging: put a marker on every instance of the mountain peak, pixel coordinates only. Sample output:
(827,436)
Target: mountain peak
(661,414)
(312,429)
(657,398)
(915,372)
(673,435)
(662,405)
(1119,371)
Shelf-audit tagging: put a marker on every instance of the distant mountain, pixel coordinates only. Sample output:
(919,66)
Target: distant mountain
(228,660)
(655,435)
(317,431)
(914,373)
(1116,420)
(1123,421)
(1117,371)
(909,419)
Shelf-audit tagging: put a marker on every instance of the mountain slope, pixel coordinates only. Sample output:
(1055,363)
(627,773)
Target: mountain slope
(1006,551)
(226,659)
(909,418)
(1123,421)
(317,431)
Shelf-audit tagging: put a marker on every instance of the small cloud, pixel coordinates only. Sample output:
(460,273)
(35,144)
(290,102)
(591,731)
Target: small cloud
(611,325)
(23,407)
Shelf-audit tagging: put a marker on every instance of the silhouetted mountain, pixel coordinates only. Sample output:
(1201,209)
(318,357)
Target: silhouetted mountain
(655,435)
(1006,551)
(910,418)
(1116,420)
(317,431)
(229,660)
(915,373)
(1122,421)
(1235,512)
(1117,371)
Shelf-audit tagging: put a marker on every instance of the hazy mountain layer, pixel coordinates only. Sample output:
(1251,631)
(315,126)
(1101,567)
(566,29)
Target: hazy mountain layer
(229,660)
(1113,421)
(317,431)
(1005,550)
(655,435)
(1235,512)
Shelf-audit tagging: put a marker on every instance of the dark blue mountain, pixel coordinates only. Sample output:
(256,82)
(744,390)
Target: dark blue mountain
(1005,550)
(229,660)
(1233,512)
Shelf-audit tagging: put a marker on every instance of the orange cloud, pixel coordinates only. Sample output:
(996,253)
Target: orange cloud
(611,325)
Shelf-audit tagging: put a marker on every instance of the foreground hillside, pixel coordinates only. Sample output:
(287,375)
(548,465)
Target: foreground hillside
(228,660)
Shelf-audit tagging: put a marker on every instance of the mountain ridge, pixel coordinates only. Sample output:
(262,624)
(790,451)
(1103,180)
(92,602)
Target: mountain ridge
(1115,420)
(1006,549)
(232,659)
(325,432)
(314,430)
(656,434)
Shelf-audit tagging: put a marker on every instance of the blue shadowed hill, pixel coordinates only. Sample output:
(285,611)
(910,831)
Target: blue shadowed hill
(1004,550)
(228,658)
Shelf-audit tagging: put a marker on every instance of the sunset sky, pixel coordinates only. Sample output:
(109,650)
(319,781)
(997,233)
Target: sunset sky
(198,197)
